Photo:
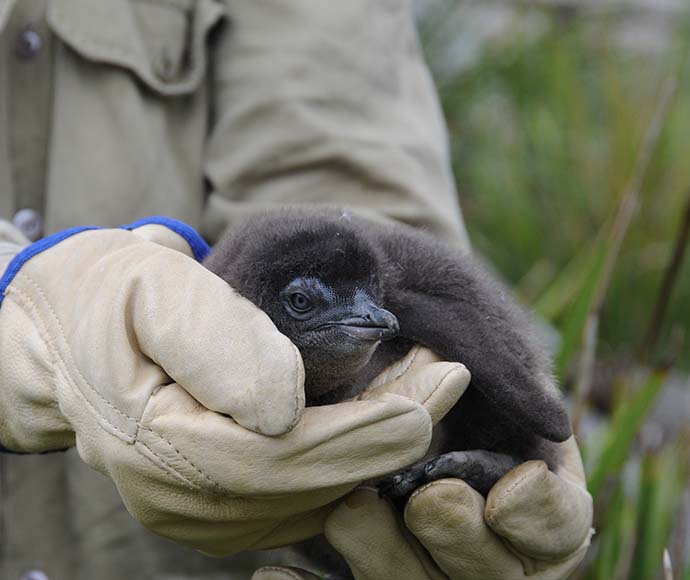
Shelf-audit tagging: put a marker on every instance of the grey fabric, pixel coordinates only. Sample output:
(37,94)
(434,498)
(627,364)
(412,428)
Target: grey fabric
(11,242)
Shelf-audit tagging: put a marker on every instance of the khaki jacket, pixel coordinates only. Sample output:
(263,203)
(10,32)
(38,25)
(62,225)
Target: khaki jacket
(205,111)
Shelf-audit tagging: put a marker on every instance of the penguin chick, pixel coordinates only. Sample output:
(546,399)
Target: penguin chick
(354,296)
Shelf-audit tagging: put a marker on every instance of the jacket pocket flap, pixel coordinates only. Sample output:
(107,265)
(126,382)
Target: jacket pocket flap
(161,41)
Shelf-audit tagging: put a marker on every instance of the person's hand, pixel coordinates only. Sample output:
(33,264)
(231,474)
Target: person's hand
(186,395)
(534,524)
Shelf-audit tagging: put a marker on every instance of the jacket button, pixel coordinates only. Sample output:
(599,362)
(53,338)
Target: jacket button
(29,223)
(28,44)
(34,575)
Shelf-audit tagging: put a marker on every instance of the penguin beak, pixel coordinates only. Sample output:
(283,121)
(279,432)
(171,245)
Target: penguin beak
(368,322)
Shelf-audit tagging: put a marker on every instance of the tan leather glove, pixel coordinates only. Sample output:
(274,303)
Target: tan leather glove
(165,379)
(534,524)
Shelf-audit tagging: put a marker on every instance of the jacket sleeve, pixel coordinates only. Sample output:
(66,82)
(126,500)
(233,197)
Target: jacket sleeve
(331,103)
(11,243)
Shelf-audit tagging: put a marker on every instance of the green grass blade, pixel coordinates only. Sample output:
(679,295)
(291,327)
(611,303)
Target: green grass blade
(624,427)
(661,481)
(573,324)
(567,285)
(612,538)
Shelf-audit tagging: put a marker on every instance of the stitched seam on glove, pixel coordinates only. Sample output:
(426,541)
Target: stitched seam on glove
(491,512)
(68,353)
(29,306)
(33,250)
(21,300)
(207,477)
(163,465)
(391,373)
(491,516)
(299,380)
(440,384)
(45,337)
(400,372)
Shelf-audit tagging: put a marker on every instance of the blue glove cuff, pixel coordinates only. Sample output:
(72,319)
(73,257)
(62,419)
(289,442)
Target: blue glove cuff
(200,248)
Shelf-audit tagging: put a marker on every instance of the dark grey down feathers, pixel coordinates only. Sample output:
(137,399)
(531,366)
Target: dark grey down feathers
(354,296)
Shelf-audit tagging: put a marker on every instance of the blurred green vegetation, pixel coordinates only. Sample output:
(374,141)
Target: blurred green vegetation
(546,128)
(544,133)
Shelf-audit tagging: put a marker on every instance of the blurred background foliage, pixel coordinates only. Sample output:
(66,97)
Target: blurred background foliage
(548,105)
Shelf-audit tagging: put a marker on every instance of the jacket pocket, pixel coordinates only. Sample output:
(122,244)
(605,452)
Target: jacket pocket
(161,42)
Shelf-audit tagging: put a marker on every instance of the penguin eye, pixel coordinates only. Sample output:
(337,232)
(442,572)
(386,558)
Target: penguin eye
(300,302)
